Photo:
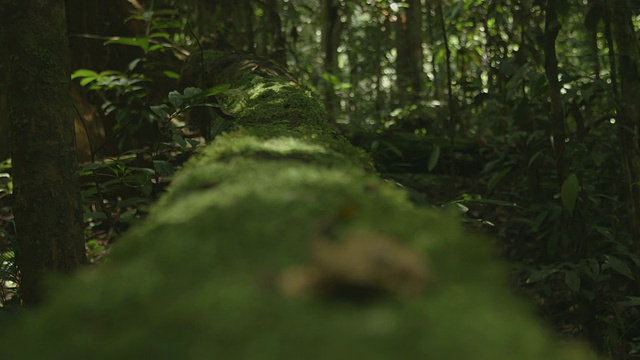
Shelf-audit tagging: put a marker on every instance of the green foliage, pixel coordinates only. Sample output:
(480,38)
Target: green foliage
(117,191)
(8,271)
(569,192)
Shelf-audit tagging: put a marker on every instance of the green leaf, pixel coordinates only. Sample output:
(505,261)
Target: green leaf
(87,80)
(193,142)
(591,268)
(156,47)
(135,17)
(160,111)
(572,280)
(84,73)
(191,92)
(569,192)
(393,148)
(605,232)
(5,165)
(171,74)
(616,264)
(631,301)
(159,35)
(215,90)
(177,138)
(167,25)
(175,98)
(128,215)
(331,79)
(132,65)
(434,158)
(142,43)
(163,168)
(93,166)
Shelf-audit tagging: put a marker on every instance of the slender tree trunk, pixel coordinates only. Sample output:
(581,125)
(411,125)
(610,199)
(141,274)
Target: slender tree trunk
(628,106)
(47,209)
(409,48)
(452,102)
(5,126)
(278,52)
(430,42)
(556,114)
(331,29)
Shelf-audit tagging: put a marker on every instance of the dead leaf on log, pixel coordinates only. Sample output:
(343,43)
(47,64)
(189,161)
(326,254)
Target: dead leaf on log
(358,266)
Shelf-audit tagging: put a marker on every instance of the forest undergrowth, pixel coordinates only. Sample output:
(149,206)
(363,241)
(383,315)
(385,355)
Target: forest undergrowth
(577,296)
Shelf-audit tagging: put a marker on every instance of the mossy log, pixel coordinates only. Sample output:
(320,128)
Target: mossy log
(279,241)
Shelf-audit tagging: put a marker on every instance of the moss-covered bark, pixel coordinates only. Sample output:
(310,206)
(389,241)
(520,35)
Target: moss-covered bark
(279,242)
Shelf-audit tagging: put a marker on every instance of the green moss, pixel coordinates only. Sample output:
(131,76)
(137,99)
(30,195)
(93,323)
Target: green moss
(197,279)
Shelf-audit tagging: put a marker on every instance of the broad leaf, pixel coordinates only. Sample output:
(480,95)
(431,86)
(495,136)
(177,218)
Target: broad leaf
(191,92)
(163,168)
(572,280)
(434,158)
(84,73)
(142,43)
(175,98)
(569,193)
(616,264)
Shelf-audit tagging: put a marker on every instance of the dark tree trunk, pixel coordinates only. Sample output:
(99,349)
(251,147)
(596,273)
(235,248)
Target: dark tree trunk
(556,113)
(5,135)
(278,51)
(47,209)
(628,106)
(331,28)
(409,48)
(452,125)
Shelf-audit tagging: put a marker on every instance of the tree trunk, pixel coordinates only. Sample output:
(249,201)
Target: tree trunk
(409,48)
(47,209)
(331,28)
(278,241)
(5,126)
(88,22)
(628,107)
(278,51)
(556,113)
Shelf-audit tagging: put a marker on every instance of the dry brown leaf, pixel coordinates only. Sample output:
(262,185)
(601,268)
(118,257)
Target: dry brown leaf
(358,263)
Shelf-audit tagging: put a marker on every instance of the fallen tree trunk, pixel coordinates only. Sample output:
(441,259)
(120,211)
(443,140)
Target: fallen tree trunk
(278,241)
